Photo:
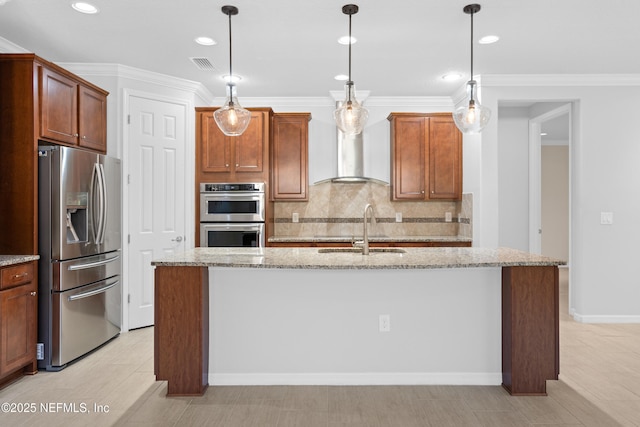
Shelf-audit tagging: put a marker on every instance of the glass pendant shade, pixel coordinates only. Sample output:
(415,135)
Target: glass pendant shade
(231,118)
(473,117)
(351,116)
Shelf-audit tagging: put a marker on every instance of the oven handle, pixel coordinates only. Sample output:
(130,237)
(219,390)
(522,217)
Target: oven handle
(93,292)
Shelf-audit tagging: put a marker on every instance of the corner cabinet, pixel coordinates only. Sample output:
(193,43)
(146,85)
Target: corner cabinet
(18,321)
(426,157)
(222,158)
(290,157)
(41,103)
(72,112)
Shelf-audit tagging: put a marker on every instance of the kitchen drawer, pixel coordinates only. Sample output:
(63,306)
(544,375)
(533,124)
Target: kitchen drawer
(16,275)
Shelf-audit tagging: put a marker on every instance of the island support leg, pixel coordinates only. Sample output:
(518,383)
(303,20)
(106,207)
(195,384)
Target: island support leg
(181,331)
(530,329)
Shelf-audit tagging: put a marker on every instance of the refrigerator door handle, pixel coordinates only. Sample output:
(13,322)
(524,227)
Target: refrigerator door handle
(87,265)
(93,207)
(103,203)
(93,292)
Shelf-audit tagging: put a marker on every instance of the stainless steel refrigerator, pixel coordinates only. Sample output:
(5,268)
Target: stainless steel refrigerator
(79,237)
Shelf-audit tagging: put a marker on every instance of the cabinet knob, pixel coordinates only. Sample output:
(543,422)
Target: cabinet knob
(422,191)
(237,164)
(76,135)
(33,294)
(227,165)
(432,191)
(84,136)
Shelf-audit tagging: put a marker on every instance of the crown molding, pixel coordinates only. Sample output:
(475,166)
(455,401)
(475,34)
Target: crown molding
(444,102)
(9,47)
(497,80)
(124,71)
(281,102)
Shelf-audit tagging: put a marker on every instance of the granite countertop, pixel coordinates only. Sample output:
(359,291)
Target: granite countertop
(311,258)
(7,260)
(348,239)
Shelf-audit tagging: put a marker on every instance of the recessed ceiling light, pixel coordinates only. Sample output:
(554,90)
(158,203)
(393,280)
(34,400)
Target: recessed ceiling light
(489,39)
(205,41)
(341,77)
(345,40)
(83,7)
(231,79)
(451,77)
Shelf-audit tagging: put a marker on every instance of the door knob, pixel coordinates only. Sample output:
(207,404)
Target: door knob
(177,239)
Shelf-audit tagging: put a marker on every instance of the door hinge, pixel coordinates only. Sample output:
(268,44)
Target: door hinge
(128,298)
(128,238)
(128,178)
(128,119)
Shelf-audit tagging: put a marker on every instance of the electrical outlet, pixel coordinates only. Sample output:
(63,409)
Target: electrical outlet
(384,323)
(447,217)
(606,218)
(398,216)
(294,217)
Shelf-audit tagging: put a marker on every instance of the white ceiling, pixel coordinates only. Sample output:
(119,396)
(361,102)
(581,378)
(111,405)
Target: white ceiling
(289,47)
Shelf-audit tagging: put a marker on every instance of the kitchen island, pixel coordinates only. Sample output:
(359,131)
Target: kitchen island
(304,316)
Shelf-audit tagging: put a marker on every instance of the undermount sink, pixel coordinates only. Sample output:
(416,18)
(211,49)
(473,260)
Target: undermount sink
(359,250)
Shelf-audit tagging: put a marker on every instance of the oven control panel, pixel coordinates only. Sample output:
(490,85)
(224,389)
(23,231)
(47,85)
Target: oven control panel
(232,187)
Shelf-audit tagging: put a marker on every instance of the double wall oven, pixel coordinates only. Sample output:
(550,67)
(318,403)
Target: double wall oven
(232,214)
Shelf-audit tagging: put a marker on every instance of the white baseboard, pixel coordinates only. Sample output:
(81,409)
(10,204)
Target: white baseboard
(605,319)
(368,378)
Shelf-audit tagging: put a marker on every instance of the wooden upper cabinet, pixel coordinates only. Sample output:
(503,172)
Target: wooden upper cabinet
(445,159)
(222,158)
(92,119)
(215,146)
(408,137)
(72,113)
(289,156)
(426,157)
(249,147)
(58,107)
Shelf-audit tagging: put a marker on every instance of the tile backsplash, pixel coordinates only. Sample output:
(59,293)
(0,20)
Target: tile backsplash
(336,209)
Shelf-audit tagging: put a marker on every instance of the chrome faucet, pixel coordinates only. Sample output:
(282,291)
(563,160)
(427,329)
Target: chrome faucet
(365,235)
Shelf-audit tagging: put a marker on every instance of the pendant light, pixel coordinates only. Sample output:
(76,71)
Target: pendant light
(473,117)
(231,118)
(351,116)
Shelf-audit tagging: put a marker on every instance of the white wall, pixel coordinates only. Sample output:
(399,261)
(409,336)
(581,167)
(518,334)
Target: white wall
(513,162)
(605,155)
(321,326)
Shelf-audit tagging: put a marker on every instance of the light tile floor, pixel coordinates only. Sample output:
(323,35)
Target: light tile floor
(599,386)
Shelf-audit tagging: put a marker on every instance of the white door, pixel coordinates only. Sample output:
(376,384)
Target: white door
(157,141)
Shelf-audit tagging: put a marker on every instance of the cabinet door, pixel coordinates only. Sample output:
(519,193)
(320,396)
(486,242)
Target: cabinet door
(92,107)
(408,157)
(289,157)
(58,107)
(249,147)
(17,327)
(214,145)
(445,164)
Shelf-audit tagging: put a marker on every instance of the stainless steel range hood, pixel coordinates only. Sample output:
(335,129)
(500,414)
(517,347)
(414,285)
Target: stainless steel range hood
(350,160)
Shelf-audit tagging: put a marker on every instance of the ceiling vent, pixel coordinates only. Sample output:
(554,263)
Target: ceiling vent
(203,63)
